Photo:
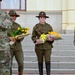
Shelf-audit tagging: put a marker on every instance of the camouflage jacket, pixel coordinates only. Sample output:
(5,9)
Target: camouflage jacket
(5,24)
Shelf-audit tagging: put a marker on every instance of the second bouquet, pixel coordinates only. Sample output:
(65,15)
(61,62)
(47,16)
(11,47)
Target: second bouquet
(54,35)
(19,33)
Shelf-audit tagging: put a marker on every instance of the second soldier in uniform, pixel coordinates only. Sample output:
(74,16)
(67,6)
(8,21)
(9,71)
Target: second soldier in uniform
(42,49)
(16,49)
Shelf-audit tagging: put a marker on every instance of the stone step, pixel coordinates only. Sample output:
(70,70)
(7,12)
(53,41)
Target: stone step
(53,58)
(53,71)
(55,47)
(64,47)
(54,65)
(63,52)
(64,41)
(54,52)
(45,74)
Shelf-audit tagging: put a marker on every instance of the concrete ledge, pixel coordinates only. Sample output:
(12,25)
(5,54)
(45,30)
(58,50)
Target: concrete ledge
(54,65)
(53,71)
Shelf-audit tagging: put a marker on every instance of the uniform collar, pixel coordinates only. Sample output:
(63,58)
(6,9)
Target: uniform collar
(42,24)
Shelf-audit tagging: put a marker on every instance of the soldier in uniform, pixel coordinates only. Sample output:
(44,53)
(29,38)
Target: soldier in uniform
(43,50)
(5,57)
(16,49)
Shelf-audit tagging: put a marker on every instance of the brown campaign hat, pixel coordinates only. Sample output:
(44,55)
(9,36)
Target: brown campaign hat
(42,14)
(13,13)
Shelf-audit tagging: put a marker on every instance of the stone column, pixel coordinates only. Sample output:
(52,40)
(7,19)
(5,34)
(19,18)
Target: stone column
(68,15)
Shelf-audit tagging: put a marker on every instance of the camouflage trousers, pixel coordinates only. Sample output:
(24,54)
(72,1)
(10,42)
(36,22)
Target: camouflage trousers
(5,62)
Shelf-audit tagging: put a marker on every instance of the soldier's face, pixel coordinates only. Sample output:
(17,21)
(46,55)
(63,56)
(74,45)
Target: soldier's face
(13,17)
(42,20)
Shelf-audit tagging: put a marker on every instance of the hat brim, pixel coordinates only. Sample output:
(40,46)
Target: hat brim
(43,16)
(15,15)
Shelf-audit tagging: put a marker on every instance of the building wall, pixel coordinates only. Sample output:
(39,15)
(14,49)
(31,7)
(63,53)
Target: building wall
(54,8)
(68,15)
(44,5)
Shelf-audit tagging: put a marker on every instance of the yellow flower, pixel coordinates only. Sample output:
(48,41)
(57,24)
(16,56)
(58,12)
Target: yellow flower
(16,37)
(19,28)
(22,30)
(49,32)
(43,37)
(27,33)
(56,34)
(27,28)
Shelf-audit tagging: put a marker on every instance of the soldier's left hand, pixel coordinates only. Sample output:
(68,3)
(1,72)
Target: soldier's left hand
(50,38)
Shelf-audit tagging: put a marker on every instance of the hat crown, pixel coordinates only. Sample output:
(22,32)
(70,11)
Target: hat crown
(12,12)
(42,13)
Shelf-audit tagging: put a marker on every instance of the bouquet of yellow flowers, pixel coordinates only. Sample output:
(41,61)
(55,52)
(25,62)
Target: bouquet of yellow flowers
(54,35)
(21,32)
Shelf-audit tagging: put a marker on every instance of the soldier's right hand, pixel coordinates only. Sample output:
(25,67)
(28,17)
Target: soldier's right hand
(12,39)
(38,41)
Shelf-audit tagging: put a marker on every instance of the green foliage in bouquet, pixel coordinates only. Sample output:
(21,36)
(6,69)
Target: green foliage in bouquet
(19,31)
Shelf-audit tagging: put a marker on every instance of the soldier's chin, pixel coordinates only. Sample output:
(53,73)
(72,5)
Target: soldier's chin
(42,22)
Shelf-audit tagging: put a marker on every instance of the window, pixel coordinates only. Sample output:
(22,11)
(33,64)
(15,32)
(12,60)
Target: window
(13,4)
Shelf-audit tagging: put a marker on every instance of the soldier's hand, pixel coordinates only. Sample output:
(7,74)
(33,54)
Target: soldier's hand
(13,39)
(18,38)
(38,41)
(49,38)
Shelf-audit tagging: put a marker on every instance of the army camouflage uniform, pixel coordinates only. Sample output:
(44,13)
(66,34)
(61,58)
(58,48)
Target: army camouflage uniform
(43,49)
(5,57)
